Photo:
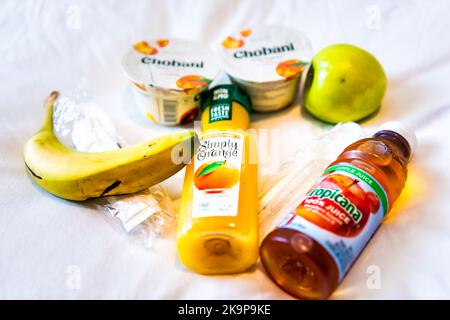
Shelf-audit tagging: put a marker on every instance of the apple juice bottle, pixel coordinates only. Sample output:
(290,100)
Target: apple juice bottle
(311,251)
(218,222)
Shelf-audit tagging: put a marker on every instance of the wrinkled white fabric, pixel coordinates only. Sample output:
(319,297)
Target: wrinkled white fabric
(52,248)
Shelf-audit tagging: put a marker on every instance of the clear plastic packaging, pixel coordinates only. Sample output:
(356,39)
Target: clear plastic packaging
(145,216)
(80,124)
(280,191)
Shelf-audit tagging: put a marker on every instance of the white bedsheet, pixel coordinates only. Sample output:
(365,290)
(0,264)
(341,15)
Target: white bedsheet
(45,242)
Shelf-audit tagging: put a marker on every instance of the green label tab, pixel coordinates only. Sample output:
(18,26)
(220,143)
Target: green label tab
(220,99)
(220,112)
(221,104)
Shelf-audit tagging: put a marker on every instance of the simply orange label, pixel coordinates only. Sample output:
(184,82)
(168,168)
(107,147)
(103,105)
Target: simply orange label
(217,171)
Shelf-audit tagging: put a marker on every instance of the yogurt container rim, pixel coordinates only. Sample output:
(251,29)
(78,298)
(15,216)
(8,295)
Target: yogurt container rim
(270,83)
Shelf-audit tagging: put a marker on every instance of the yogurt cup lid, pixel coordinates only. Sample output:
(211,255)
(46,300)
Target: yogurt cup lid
(174,64)
(265,54)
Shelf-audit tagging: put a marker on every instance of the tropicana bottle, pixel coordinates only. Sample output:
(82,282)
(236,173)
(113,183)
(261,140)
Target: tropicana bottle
(313,249)
(218,224)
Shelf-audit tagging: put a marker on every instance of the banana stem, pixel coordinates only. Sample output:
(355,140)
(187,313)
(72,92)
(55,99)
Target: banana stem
(48,104)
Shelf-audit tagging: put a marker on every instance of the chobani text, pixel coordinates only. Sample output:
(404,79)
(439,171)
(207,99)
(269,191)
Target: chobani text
(172,63)
(263,51)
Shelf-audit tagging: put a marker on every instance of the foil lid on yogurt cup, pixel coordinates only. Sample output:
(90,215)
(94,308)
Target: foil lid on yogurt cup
(265,54)
(171,64)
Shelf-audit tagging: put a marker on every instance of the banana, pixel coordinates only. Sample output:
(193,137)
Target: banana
(74,175)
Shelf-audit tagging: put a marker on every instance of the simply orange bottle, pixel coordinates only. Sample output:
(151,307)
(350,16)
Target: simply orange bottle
(313,249)
(218,223)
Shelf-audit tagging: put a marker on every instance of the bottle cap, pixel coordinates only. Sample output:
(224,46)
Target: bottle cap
(403,130)
(221,78)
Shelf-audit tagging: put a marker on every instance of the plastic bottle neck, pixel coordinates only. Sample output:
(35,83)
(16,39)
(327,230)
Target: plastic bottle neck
(396,139)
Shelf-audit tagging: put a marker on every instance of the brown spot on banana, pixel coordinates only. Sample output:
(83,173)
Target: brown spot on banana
(111,187)
(32,172)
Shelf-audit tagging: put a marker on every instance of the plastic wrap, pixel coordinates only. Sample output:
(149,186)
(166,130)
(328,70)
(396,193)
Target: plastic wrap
(80,124)
(145,216)
(281,191)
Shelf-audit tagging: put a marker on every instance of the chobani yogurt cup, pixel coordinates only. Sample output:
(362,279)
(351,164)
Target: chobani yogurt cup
(267,61)
(168,76)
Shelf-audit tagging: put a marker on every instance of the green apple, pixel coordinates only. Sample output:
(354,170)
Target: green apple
(344,83)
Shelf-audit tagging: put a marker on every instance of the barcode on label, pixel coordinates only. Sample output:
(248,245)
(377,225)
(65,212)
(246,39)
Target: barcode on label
(169,111)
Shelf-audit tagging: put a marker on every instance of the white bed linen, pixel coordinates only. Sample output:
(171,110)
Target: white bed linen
(48,45)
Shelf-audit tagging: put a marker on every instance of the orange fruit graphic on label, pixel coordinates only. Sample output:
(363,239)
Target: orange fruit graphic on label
(162,43)
(232,43)
(246,32)
(192,81)
(290,68)
(145,48)
(216,175)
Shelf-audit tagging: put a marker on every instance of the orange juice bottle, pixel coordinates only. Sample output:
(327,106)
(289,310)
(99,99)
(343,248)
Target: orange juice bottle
(218,223)
(313,249)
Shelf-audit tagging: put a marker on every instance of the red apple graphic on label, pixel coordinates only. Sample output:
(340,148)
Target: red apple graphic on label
(374,202)
(353,197)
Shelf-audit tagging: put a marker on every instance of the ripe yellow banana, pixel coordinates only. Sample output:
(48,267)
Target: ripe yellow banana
(74,175)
